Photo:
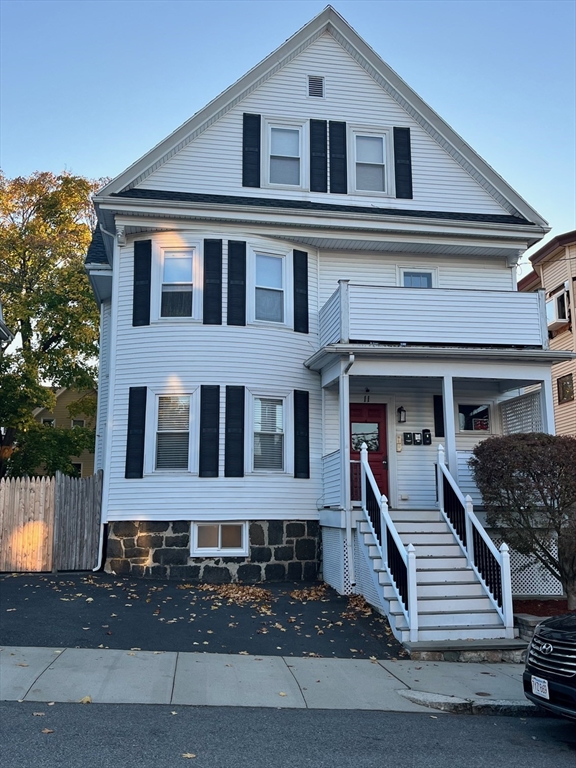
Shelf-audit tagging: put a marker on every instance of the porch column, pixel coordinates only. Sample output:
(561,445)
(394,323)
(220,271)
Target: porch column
(449,425)
(547,405)
(344,387)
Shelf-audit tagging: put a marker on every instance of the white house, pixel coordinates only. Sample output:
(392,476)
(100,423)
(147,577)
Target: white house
(314,261)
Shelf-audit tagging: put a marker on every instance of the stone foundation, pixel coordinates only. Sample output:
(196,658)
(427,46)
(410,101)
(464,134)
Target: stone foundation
(280,550)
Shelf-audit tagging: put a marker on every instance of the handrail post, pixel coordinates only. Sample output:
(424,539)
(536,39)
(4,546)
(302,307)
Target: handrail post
(412,593)
(507,609)
(363,460)
(469,532)
(384,529)
(441,463)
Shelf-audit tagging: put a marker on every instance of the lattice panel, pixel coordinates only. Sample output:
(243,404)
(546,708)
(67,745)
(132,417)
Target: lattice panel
(335,565)
(521,414)
(528,576)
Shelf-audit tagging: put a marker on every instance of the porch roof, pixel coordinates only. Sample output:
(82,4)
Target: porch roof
(328,354)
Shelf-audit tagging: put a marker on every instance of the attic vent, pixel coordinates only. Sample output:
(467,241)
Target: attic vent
(316,86)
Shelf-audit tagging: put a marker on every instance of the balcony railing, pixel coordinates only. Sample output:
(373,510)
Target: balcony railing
(390,314)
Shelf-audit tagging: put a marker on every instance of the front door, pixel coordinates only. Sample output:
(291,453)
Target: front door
(368,425)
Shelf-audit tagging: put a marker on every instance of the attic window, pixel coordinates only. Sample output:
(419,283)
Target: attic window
(316,86)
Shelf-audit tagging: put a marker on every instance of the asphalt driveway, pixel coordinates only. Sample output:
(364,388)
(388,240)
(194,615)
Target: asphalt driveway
(86,610)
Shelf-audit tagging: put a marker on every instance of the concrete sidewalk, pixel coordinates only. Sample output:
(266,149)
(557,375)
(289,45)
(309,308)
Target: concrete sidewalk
(110,676)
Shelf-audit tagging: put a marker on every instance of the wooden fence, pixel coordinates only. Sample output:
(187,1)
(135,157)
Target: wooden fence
(50,524)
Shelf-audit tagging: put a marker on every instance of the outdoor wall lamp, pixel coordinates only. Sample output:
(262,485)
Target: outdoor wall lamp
(401,415)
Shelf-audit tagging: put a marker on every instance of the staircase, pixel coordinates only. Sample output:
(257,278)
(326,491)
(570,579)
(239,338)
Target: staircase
(452,603)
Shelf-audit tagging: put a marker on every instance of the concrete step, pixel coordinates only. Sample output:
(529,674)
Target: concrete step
(488,632)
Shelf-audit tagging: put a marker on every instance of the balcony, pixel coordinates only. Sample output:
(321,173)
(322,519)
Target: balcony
(444,316)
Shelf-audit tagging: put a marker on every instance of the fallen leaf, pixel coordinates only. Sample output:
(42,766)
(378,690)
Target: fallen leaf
(135,649)
(38,714)
(243,653)
(353,650)
(173,713)
(21,665)
(51,703)
(189,755)
(86,700)
(47,730)
(89,599)
(8,610)
(433,717)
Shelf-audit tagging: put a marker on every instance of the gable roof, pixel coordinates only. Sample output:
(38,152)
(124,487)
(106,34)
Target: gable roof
(329,20)
(560,241)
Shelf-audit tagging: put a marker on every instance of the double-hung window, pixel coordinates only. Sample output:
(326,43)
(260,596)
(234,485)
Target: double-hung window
(269,447)
(370,161)
(173,433)
(269,288)
(177,283)
(285,148)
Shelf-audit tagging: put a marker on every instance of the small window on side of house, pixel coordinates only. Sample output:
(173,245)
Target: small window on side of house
(77,468)
(473,418)
(229,538)
(565,388)
(77,423)
(417,279)
(49,422)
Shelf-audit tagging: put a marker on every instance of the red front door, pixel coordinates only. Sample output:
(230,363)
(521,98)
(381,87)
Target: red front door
(368,425)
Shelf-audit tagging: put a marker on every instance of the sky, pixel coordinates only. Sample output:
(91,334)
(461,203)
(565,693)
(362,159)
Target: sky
(89,86)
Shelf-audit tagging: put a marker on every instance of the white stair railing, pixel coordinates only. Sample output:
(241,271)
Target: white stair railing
(492,566)
(398,561)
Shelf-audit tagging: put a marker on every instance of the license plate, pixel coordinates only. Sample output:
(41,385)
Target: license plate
(540,687)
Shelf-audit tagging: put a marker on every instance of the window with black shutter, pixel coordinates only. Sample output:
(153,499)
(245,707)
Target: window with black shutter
(209,430)
(142,282)
(301,434)
(234,432)
(135,432)
(236,283)
(251,140)
(212,306)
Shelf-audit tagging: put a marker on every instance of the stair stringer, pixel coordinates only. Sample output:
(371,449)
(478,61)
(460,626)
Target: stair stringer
(368,582)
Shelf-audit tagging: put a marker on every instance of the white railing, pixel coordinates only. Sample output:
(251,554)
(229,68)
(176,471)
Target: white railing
(394,314)
(398,561)
(491,566)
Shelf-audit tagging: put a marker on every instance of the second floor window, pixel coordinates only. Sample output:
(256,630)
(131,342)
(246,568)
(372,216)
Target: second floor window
(269,288)
(177,284)
(417,279)
(370,163)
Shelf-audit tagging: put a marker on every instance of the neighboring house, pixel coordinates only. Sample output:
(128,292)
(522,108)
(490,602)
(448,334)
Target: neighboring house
(6,335)
(60,417)
(555,273)
(313,261)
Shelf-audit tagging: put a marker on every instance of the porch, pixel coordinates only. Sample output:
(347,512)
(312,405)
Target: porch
(398,505)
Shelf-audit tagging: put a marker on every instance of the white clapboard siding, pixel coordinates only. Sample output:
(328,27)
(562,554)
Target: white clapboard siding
(331,419)
(332,477)
(212,162)
(474,273)
(103,384)
(182,356)
(444,316)
(466,479)
(330,320)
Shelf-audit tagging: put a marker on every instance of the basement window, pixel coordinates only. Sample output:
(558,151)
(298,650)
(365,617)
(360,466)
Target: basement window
(230,538)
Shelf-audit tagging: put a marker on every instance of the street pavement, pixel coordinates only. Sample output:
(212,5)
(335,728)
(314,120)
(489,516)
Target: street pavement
(101,639)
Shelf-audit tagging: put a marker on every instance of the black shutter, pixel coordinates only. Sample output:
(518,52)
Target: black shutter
(318,156)
(141,291)
(300,268)
(251,150)
(212,305)
(136,432)
(301,434)
(234,433)
(236,283)
(403,163)
(438,416)
(209,430)
(338,167)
